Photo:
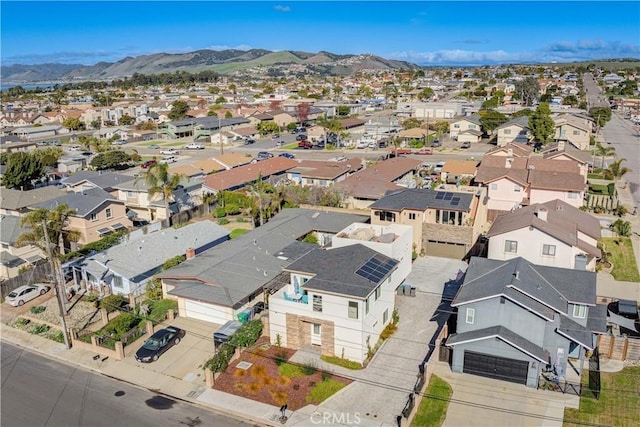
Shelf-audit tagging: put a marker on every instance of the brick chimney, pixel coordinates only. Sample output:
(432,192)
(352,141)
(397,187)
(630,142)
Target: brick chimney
(190,253)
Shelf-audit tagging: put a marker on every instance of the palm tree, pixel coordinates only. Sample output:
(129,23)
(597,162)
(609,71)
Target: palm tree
(617,170)
(160,181)
(603,152)
(266,199)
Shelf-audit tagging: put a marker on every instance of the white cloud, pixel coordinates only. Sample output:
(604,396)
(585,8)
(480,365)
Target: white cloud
(281,8)
(225,47)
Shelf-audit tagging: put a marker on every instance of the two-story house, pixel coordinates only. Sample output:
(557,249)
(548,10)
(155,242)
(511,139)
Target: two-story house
(464,123)
(574,130)
(516,320)
(13,256)
(445,223)
(554,233)
(318,173)
(342,298)
(515,130)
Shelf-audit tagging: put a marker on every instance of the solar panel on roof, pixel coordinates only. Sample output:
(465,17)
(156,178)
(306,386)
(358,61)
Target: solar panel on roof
(439,196)
(455,201)
(376,268)
(448,196)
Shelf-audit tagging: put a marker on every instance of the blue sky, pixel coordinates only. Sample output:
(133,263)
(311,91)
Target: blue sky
(429,33)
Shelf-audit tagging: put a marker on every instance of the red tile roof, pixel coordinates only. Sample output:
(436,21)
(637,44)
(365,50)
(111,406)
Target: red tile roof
(241,175)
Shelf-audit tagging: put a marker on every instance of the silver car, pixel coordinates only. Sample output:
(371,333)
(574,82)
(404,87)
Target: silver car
(26,293)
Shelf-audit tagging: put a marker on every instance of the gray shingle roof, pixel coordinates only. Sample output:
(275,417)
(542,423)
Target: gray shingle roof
(334,270)
(83,202)
(10,229)
(244,264)
(15,199)
(210,122)
(504,334)
(576,332)
(422,199)
(551,286)
(102,180)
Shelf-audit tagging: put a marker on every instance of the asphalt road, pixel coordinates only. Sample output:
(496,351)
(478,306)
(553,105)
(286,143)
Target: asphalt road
(37,391)
(624,138)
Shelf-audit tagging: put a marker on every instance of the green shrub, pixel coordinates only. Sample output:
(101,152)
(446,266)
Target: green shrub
(240,219)
(158,309)
(56,336)
(388,331)
(237,232)
(345,363)
(172,262)
(22,322)
(291,371)
(40,329)
(310,238)
(232,209)
(219,212)
(310,368)
(220,361)
(280,358)
(247,334)
(120,325)
(113,302)
(37,309)
(223,221)
(154,289)
(97,246)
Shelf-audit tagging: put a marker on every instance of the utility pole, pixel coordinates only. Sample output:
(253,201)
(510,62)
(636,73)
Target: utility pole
(220,136)
(56,285)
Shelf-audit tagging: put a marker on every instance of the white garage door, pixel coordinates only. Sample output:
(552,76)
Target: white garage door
(207,312)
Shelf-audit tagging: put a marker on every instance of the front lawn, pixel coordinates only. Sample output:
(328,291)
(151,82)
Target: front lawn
(619,403)
(623,259)
(433,407)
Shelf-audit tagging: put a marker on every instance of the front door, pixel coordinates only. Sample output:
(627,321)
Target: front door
(316,334)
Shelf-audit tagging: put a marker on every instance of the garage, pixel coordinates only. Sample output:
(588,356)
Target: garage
(445,249)
(499,368)
(207,312)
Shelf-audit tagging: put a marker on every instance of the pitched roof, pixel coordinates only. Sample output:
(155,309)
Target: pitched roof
(232,160)
(241,175)
(460,167)
(11,199)
(422,199)
(320,169)
(564,222)
(517,150)
(473,118)
(522,122)
(375,181)
(552,151)
(84,202)
(239,267)
(104,180)
(334,270)
(551,286)
(10,229)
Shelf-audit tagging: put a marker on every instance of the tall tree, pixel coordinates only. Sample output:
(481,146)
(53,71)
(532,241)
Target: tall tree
(601,115)
(73,123)
(179,110)
(425,94)
(302,111)
(603,151)
(21,170)
(56,221)
(541,124)
(160,181)
(617,170)
(113,159)
(527,90)
(491,119)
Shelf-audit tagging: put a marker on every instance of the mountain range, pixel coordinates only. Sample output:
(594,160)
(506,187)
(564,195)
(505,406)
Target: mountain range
(221,61)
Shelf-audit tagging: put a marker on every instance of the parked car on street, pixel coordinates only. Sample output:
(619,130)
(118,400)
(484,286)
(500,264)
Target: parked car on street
(287,155)
(276,136)
(305,144)
(465,144)
(402,151)
(169,151)
(153,147)
(248,141)
(194,146)
(301,137)
(26,293)
(158,343)
(148,164)
(435,143)
(263,155)
(425,151)
(168,159)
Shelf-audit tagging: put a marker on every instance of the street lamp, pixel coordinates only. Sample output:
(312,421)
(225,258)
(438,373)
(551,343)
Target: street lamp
(57,286)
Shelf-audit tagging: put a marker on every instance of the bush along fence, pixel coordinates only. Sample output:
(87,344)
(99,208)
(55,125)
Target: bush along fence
(245,337)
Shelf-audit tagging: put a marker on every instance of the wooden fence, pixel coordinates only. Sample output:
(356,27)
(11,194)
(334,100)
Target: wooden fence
(619,348)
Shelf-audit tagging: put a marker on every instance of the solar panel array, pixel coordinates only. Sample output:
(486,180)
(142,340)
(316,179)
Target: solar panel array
(376,268)
(448,197)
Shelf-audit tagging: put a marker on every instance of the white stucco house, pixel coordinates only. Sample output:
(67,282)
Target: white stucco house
(341,299)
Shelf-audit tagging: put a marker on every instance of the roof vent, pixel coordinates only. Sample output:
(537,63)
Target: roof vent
(517,274)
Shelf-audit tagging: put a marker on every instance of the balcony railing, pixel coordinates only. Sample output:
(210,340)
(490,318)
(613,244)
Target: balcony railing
(301,298)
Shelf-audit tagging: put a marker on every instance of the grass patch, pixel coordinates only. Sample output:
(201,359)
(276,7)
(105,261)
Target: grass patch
(619,403)
(291,371)
(323,390)
(345,363)
(623,259)
(433,407)
(237,232)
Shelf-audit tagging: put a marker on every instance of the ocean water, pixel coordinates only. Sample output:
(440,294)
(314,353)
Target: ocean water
(27,86)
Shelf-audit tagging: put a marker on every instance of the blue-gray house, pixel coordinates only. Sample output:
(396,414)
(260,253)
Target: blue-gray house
(517,320)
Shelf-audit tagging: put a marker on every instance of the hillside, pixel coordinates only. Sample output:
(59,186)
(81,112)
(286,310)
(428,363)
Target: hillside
(223,61)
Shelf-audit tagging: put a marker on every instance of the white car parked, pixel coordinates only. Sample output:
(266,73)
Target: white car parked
(194,146)
(26,293)
(169,151)
(168,159)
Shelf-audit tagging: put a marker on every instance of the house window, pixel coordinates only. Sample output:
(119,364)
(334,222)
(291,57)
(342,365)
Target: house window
(317,303)
(580,311)
(93,217)
(572,195)
(131,194)
(576,132)
(516,188)
(471,315)
(117,282)
(507,131)
(549,250)
(366,306)
(378,292)
(108,212)
(353,309)
(385,316)
(412,216)
(387,216)
(456,126)
(493,186)
(511,246)
(316,329)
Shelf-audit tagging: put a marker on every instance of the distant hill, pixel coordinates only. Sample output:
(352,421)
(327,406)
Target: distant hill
(222,61)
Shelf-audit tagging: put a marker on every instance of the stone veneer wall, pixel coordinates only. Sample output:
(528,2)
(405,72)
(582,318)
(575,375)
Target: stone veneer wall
(299,333)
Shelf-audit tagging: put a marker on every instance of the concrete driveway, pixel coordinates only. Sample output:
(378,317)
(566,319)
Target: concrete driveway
(185,360)
(479,401)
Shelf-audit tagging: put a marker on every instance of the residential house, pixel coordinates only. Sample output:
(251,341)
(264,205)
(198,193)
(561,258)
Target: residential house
(463,123)
(562,151)
(97,213)
(13,144)
(143,207)
(233,179)
(225,281)
(85,180)
(245,132)
(472,136)
(232,160)
(341,299)
(12,256)
(17,202)
(127,267)
(517,320)
(514,131)
(445,223)
(431,110)
(201,127)
(519,181)
(458,171)
(554,233)
(574,130)
(38,132)
(319,173)
(414,134)
(511,149)
(111,132)
(370,184)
